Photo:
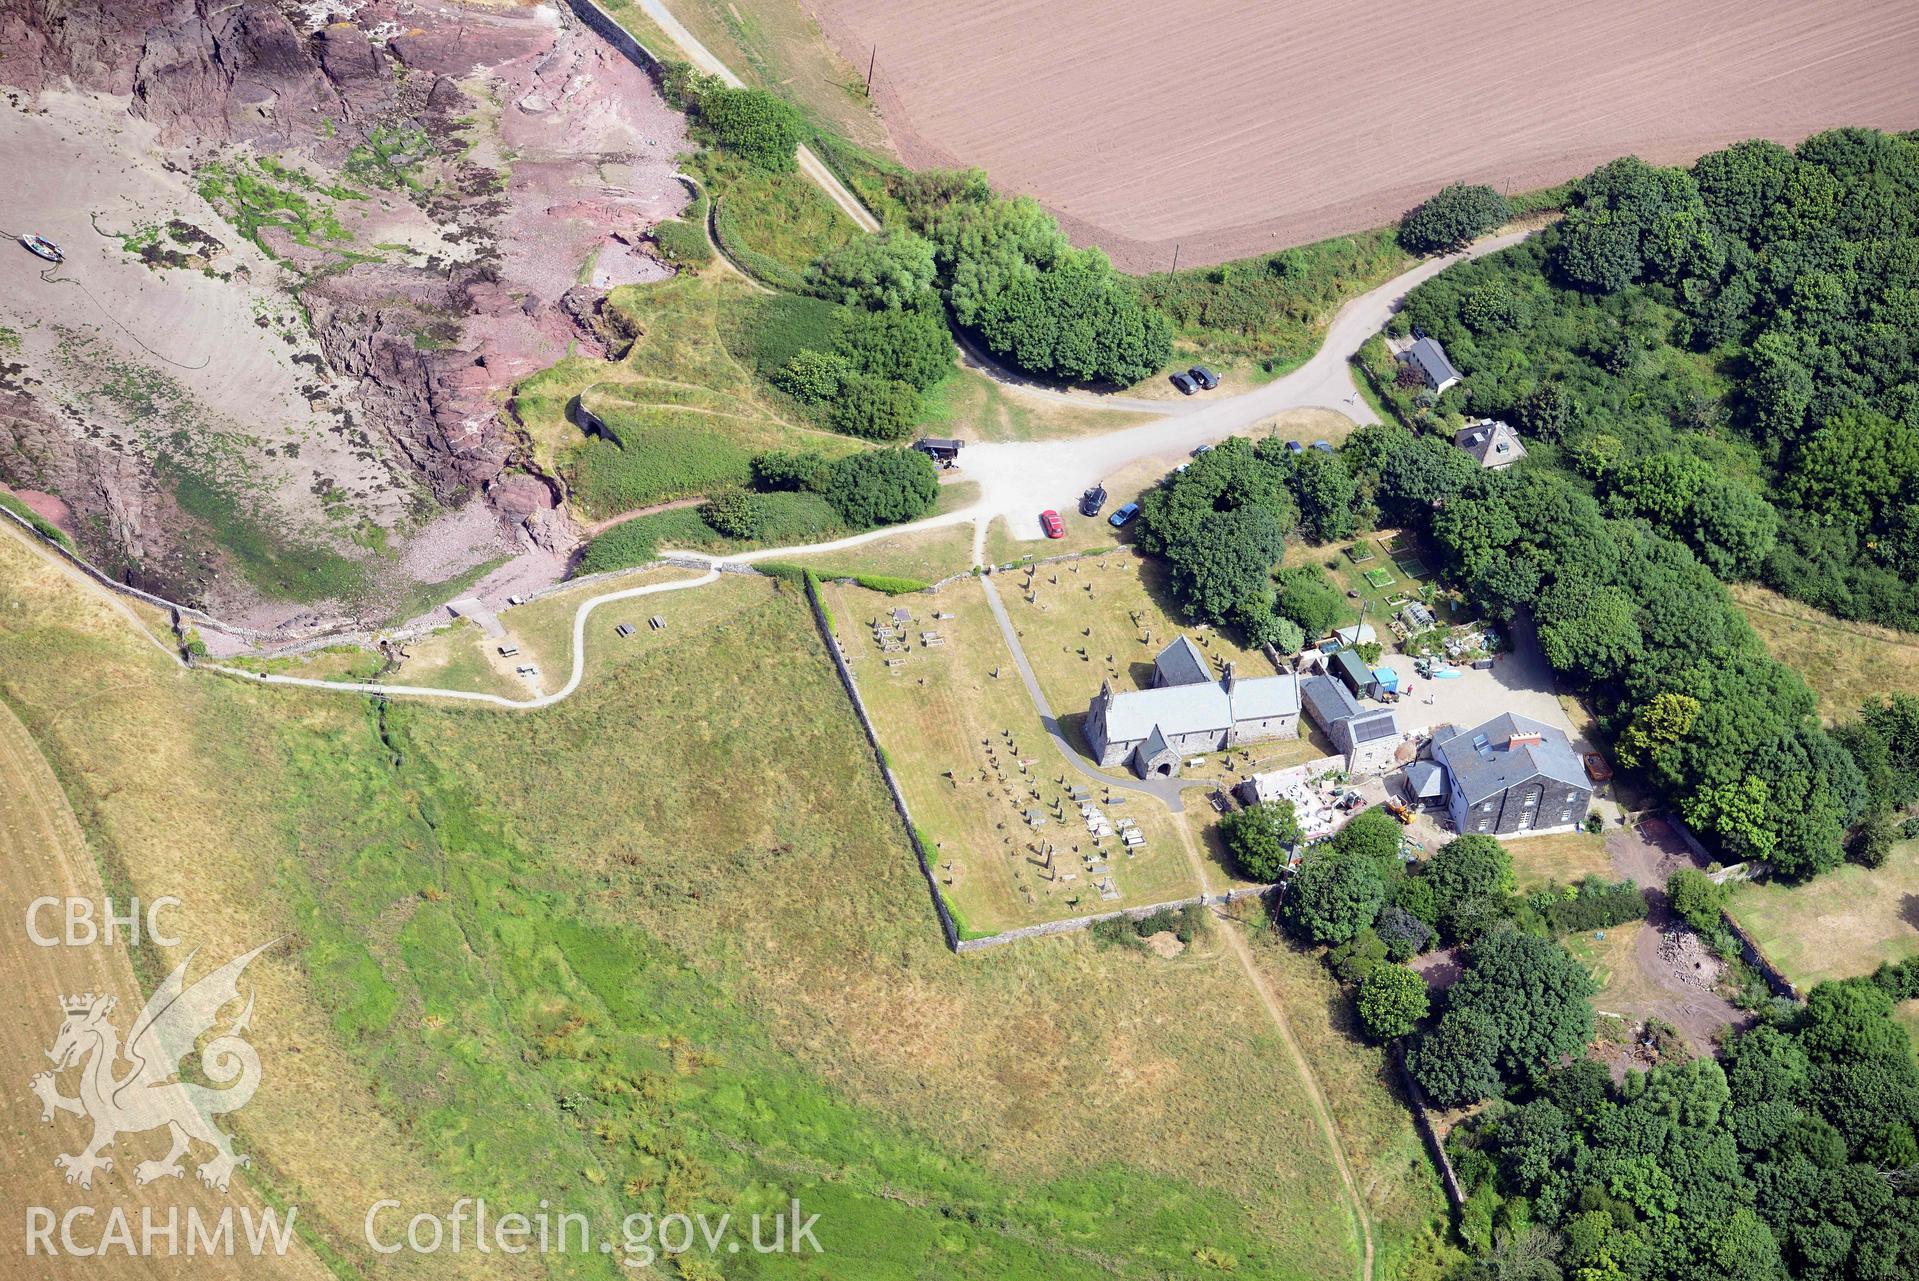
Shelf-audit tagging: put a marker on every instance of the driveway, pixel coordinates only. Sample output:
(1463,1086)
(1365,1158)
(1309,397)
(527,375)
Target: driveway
(1019,479)
(1520,681)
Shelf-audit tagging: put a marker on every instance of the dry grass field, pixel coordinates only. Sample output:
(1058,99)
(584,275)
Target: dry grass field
(44,853)
(1566,857)
(1843,923)
(1845,663)
(926,556)
(970,404)
(1236,127)
(663,945)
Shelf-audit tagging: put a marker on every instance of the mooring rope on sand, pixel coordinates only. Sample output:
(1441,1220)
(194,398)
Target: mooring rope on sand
(48,275)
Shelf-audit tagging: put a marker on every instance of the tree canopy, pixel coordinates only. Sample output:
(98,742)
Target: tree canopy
(758,126)
(883,487)
(1010,276)
(1334,896)
(1258,837)
(1728,352)
(1452,217)
(889,271)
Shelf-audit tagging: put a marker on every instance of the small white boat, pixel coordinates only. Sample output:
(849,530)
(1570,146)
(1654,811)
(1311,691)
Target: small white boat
(41,247)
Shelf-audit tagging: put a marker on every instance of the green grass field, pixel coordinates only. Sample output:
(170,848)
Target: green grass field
(1268,314)
(685,403)
(1841,924)
(662,947)
(774,225)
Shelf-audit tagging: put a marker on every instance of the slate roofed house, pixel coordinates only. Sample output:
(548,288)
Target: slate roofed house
(1429,358)
(1490,443)
(1366,736)
(1513,775)
(1187,711)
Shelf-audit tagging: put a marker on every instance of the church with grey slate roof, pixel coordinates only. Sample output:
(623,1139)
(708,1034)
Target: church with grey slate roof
(1188,711)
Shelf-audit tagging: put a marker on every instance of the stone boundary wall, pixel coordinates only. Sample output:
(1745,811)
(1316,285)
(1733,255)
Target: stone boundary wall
(1046,929)
(1749,946)
(608,28)
(198,617)
(948,926)
(1423,1122)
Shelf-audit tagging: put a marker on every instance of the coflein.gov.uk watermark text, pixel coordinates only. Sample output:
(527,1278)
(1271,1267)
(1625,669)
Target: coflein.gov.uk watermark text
(469,1224)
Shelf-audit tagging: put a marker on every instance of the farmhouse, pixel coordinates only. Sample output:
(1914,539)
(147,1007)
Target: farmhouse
(1186,711)
(1429,358)
(1366,737)
(1492,444)
(1512,775)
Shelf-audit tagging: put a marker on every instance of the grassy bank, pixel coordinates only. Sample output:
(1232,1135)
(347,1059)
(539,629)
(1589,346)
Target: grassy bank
(685,407)
(1271,312)
(661,947)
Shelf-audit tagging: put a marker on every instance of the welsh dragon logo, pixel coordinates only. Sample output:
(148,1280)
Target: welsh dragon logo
(149,1095)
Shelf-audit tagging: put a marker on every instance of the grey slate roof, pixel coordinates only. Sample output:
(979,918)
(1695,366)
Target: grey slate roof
(1483,440)
(1199,708)
(1154,745)
(1183,709)
(1181,663)
(1328,700)
(1486,771)
(1430,359)
(1426,780)
(1264,697)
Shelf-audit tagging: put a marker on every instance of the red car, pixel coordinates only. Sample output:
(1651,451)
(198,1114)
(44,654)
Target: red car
(1050,522)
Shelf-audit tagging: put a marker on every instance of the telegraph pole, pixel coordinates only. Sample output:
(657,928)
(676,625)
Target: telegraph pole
(1175,270)
(870,62)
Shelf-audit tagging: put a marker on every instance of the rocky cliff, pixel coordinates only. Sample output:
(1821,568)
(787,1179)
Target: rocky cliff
(432,290)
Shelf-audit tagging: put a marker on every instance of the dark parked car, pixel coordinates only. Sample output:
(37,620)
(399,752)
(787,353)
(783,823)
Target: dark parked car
(1092,500)
(1185,384)
(1050,522)
(1294,447)
(1203,449)
(1205,377)
(1124,516)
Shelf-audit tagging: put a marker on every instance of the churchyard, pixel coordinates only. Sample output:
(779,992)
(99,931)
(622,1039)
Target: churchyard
(1018,835)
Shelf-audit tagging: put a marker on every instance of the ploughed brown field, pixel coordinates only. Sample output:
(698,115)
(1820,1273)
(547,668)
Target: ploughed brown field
(1239,126)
